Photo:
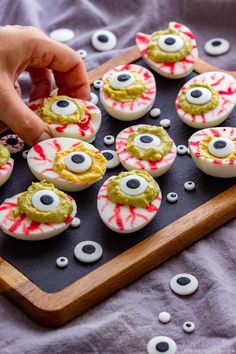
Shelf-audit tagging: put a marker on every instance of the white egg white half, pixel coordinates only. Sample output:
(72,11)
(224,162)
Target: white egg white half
(6,171)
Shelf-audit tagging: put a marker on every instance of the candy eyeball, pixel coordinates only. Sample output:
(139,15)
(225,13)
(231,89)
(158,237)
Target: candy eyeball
(62,35)
(70,164)
(103,40)
(146,147)
(13,143)
(213,150)
(128,202)
(161,344)
(171,52)
(217,46)
(188,327)
(88,251)
(69,117)
(41,212)
(6,164)
(128,92)
(111,157)
(184,284)
(207,99)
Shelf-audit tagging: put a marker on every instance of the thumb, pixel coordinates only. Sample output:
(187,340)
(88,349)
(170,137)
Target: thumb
(18,117)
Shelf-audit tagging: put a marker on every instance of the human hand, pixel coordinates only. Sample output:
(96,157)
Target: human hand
(27,48)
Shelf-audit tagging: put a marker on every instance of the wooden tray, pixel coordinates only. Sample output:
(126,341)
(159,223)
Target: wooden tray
(55,309)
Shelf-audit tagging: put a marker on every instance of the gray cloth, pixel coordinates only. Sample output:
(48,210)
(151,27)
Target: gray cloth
(125,322)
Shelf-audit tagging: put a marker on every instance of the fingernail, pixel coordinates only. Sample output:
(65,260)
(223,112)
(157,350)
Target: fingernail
(43,136)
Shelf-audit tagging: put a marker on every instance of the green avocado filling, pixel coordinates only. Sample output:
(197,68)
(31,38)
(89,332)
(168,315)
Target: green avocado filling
(198,109)
(126,94)
(156,54)
(139,201)
(4,155)
(150,154)
(56,215)
(46,114)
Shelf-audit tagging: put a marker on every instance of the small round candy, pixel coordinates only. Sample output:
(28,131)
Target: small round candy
(75,222)
(172,197)
(13,142)
(24,154)
(97,84)
(109,139)
(155,112)
(184,284)
(62,35)
(217,46)
(103,40)
(161,344)
(189,186)
(93,98)
(188,327)
(88,251)
(181,149)
(165,123)
(62,262)
(164,317)
(83,53)
(112,158)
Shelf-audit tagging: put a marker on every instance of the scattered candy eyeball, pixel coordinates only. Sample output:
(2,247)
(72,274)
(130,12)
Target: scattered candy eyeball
(165,123)
(24,154)
(217,46)
(181,149)
(103,40)
(128,92)
(111,157)
(213,150)
(164,317)
(62,35)
(109,139)
(88,251)
(188,327)
(70,164)
(172,197)
(128,202)
(147,148)
(94,98)
(206,100)
(97,84)
(83,53)
(37,214)
(171,53)
(155,112)
(184,284)
(161,344)
(189,186)
(6,164)
(13,142)
(69,117)
(62,262)
(75,222)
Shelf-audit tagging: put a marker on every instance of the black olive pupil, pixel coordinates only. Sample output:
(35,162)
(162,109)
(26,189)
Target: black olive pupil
(103,38)
(220,144)
(78,158)
(162,347)
(133,183)
(146,139)
(170,41)
(216,43)
(63,103)
(183,281)
(46,199)
(123,77)
(12,141)
(89,249)
(196,93)
(108,155)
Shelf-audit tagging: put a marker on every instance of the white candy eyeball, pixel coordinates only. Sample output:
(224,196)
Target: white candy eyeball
(121,79)
(45,200)
(171,43)
(181,149)
(188,327)
(172,197)
(161,344)
(25,153)
(75,222)
(217,46)
(62,35)
(63,107)
(165,123)
(62,262)
(103,40)
(13,143)
(112,158)
(88,251)
(78,161)
(147,141)
(93,98)
(109,139)
(221,147)
(97,84)
(164,317)
(83,53)
(198,95)
(155,112)
(133,185)
(184,284)
(189,186)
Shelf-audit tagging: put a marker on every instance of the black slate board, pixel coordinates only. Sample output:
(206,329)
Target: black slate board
(36,260)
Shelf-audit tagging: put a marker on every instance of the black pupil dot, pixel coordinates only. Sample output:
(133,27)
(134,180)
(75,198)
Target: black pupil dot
(123,77)
(183,281)
(108,155)
(62,259)
(77,158)
(173,195)
(103,38)
(12,141)
(46,199)
(89,249)
(133,183)
(170,41)
(196,93)
(188,325)
(220,144)
(216,43)
(146,139)
(63,103)
(162,347)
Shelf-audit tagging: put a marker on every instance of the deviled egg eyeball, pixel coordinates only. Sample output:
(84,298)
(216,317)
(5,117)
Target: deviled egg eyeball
(214,151)
(128,202)
(171,52)
(147,148)
(70,164)
(37,214)
(69,117)
(6,164)
(128,92)
(206,100)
